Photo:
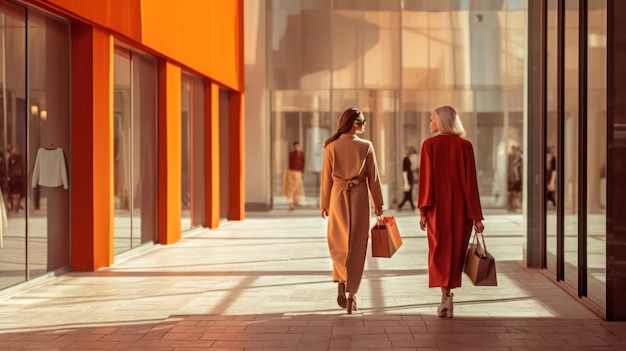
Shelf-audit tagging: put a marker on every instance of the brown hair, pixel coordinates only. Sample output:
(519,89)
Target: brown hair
(345,124)
(448,121)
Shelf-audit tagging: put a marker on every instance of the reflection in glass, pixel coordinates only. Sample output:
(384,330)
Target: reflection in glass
(551,137)
(192,182)
(570,151)
(198,174)
(34,114)
(134,150)
(303,116)
(49,130)
(186,154)
(596,151)
(122,114)
(397,61)
(144,149)
(13,111)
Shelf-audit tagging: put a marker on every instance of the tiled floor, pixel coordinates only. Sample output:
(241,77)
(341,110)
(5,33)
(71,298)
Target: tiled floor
(264,283)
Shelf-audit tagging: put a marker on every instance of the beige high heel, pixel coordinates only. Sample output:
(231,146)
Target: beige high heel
(446,308)
(351,304)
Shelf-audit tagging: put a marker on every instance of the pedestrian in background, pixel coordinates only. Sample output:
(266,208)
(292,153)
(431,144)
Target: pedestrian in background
(407,178)
(293,186)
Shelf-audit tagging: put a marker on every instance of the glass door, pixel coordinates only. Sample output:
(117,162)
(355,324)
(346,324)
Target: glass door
(134,150)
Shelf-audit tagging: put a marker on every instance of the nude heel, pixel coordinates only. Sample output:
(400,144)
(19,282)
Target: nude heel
(446,308)
(351,304)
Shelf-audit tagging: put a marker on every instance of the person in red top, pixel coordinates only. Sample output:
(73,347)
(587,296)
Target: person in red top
(292,181)
(449,202)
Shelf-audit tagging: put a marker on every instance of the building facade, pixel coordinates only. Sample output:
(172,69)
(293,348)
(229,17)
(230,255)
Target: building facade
(121,127)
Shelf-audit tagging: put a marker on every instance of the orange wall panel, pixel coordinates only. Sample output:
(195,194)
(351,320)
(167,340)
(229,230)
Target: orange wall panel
(121,16)
(204,35)
(92,150)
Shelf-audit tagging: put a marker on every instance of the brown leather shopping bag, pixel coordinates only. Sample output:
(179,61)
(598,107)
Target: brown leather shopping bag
(386,239)
(480,266)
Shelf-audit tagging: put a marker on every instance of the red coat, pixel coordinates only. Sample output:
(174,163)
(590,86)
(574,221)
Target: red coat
(448,197)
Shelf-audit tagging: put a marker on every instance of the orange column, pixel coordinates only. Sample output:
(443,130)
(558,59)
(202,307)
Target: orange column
(170,148)
(236,139)
(92,148)
(212,140)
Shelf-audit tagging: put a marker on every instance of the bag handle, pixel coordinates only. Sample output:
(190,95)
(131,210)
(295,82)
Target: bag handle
(380,220)
(480,243)
(482,237)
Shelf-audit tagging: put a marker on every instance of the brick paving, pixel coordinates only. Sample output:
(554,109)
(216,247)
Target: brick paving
(265,284)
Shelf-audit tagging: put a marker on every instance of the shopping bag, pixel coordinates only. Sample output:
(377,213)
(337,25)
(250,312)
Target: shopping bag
(386,239)
(480,266)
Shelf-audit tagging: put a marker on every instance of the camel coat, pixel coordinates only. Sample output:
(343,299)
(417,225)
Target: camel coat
(349,175)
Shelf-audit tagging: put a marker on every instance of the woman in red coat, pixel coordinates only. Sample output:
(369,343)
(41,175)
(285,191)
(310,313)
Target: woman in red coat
(449,202)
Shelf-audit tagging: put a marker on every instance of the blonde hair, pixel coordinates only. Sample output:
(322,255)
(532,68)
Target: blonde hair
(448,122)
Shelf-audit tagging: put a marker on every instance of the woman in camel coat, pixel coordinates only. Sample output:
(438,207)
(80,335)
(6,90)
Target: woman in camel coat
(349,174)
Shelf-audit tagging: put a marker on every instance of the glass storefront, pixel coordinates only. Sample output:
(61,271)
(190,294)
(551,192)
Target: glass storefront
(134,149)
(396,61)
(576,145)
(34,124)
(192,152)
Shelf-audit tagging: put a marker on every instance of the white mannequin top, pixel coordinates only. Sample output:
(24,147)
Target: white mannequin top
(50,170)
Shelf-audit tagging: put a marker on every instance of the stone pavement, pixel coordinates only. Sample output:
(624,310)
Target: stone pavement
(265,284)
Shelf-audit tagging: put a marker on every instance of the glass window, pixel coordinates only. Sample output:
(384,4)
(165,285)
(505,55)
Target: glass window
(134,150)
(13,133)
(48,111)
(34,123)
(298,47)
(192,119)
(415,40)
(186,104)
(381,49)
(302,116)
(551,138)
(144,149)
(397,61)
(570,150)
(122,114)
(347,61)
(596,151)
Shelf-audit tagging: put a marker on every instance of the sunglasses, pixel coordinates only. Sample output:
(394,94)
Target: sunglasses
(359,122)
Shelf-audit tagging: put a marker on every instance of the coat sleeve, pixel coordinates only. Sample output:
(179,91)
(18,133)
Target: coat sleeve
(426,189)
(472,196)
(373,178)
(327,180)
